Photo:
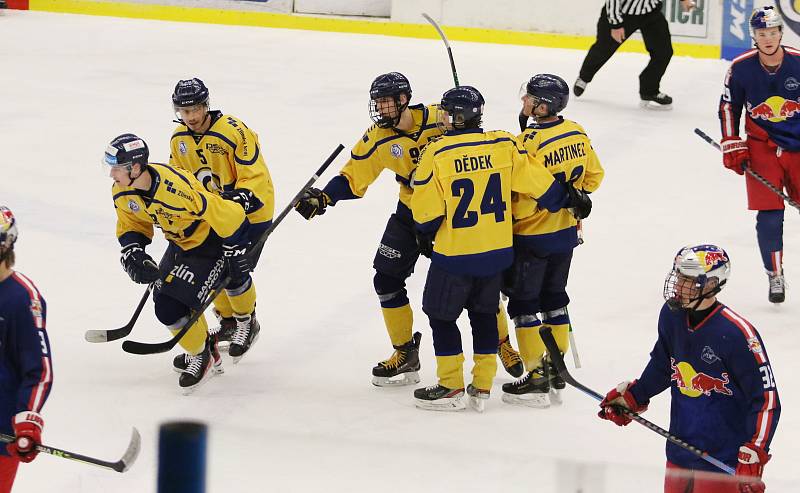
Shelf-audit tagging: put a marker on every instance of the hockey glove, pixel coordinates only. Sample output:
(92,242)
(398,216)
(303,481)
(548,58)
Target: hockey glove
(139,265)
(735,154)
(237,260)
(28,431)
(751,464)
(245,198)
(523,121)
(424,243)
(579,202)
(620,397)
(312,203)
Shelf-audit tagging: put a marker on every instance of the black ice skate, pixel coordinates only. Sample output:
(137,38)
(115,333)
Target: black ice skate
(510,358)
(245,336)
(225,331)
(579,87)
(532,390)
(198,370)
(658,101)
(477,398)
(181,361)
(777,287)
(404,363)
(557,384)
(438,398)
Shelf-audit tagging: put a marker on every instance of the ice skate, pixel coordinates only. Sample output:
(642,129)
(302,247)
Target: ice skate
(477,398)
(244,337)
(532,390)
(401,368)
(658,101)
(181,361)
(198,370)
(777,287)
(225,331)
(438,398)
(510,358)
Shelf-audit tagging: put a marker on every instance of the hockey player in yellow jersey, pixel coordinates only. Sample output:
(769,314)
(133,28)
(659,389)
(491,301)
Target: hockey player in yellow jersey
(394,142)
(543,240)
(205,235)
(462,211)
(225,156)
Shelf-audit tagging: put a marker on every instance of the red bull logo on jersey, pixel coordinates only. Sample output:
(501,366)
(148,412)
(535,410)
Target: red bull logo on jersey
(694,384)
(774,109)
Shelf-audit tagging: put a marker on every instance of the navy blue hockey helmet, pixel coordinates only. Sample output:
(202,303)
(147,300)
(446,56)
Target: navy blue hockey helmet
(189,92)
(464,105)
(549,89)
(390,85)
(126,150)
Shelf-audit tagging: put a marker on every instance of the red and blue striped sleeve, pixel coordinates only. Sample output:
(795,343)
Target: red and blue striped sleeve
(752,371)
(33,347)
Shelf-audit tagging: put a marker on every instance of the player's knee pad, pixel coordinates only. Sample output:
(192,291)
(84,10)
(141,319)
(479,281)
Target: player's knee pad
(526,321)
(169,310)
(446,337)
(517,307)
(557,316)
(391,290)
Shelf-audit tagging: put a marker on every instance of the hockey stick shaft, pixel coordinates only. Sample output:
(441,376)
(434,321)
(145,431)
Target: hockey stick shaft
(558,361)
(135,347)
(750,172)
(114,334)
(446,44)
(121,465)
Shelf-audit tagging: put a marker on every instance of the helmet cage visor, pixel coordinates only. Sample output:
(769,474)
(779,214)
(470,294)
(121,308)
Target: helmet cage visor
(385,110)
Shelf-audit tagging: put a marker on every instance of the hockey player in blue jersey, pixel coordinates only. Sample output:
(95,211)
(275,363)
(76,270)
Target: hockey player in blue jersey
(724,396)
(26,370)
(765,82)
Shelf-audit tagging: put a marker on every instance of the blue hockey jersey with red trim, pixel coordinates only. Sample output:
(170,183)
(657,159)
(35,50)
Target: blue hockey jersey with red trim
(771,100)
(26,370)
(723,391)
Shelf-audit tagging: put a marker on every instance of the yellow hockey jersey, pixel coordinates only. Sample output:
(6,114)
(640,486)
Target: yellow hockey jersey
(385,148)
(177,204)
(226,157)
(565,150)
(462,191)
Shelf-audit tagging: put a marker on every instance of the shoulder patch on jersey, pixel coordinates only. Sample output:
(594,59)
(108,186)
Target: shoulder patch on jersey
(397,151)
(133,206)
(182,147)
(754,345)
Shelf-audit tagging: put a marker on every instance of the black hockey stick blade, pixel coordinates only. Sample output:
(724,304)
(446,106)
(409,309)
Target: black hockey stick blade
(94,335)
(446,44)
(135,347)
(558,361)
(122,465)
(749,171)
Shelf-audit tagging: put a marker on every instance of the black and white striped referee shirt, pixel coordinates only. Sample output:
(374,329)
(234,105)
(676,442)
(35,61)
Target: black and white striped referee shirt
(617,8)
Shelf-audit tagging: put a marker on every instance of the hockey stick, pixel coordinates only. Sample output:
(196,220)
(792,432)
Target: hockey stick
(446,44)
(750,172)
(114,334)
(122,465)
(572,344)
(558,362)
(135,347)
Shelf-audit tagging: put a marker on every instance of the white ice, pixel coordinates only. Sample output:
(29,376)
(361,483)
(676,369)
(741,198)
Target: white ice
(299,413)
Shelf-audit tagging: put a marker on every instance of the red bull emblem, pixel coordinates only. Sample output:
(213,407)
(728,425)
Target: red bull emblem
(712,258)
(694,384)
(774,109)
(789,108)
(754,344)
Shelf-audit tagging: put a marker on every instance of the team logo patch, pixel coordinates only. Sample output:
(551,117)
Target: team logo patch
(133,206)
(754,345)
(397,150)
(182,147)
(388,251)
(709,356)
(791,84)
(692,383)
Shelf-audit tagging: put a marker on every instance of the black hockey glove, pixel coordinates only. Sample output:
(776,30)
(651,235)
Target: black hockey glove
(138,264)
(579,202)
(312,203)
(523,122)
(244,197)
(237,260)
(425,243)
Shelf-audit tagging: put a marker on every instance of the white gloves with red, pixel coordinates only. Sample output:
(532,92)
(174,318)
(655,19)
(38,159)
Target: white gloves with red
(28,430)
(735,154)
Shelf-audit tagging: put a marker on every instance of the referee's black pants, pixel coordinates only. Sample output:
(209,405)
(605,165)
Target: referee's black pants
(657,40)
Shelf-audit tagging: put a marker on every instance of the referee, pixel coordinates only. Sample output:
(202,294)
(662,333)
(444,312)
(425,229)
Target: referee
(618,20)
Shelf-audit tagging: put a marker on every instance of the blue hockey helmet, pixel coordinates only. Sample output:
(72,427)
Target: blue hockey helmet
(390,85)
(189,92)
(763,18)
(464,107)
(126,150)
(8,229)
(549,89)
(699,263)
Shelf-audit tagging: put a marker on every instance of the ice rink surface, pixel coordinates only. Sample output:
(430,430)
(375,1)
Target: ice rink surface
(299,412)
